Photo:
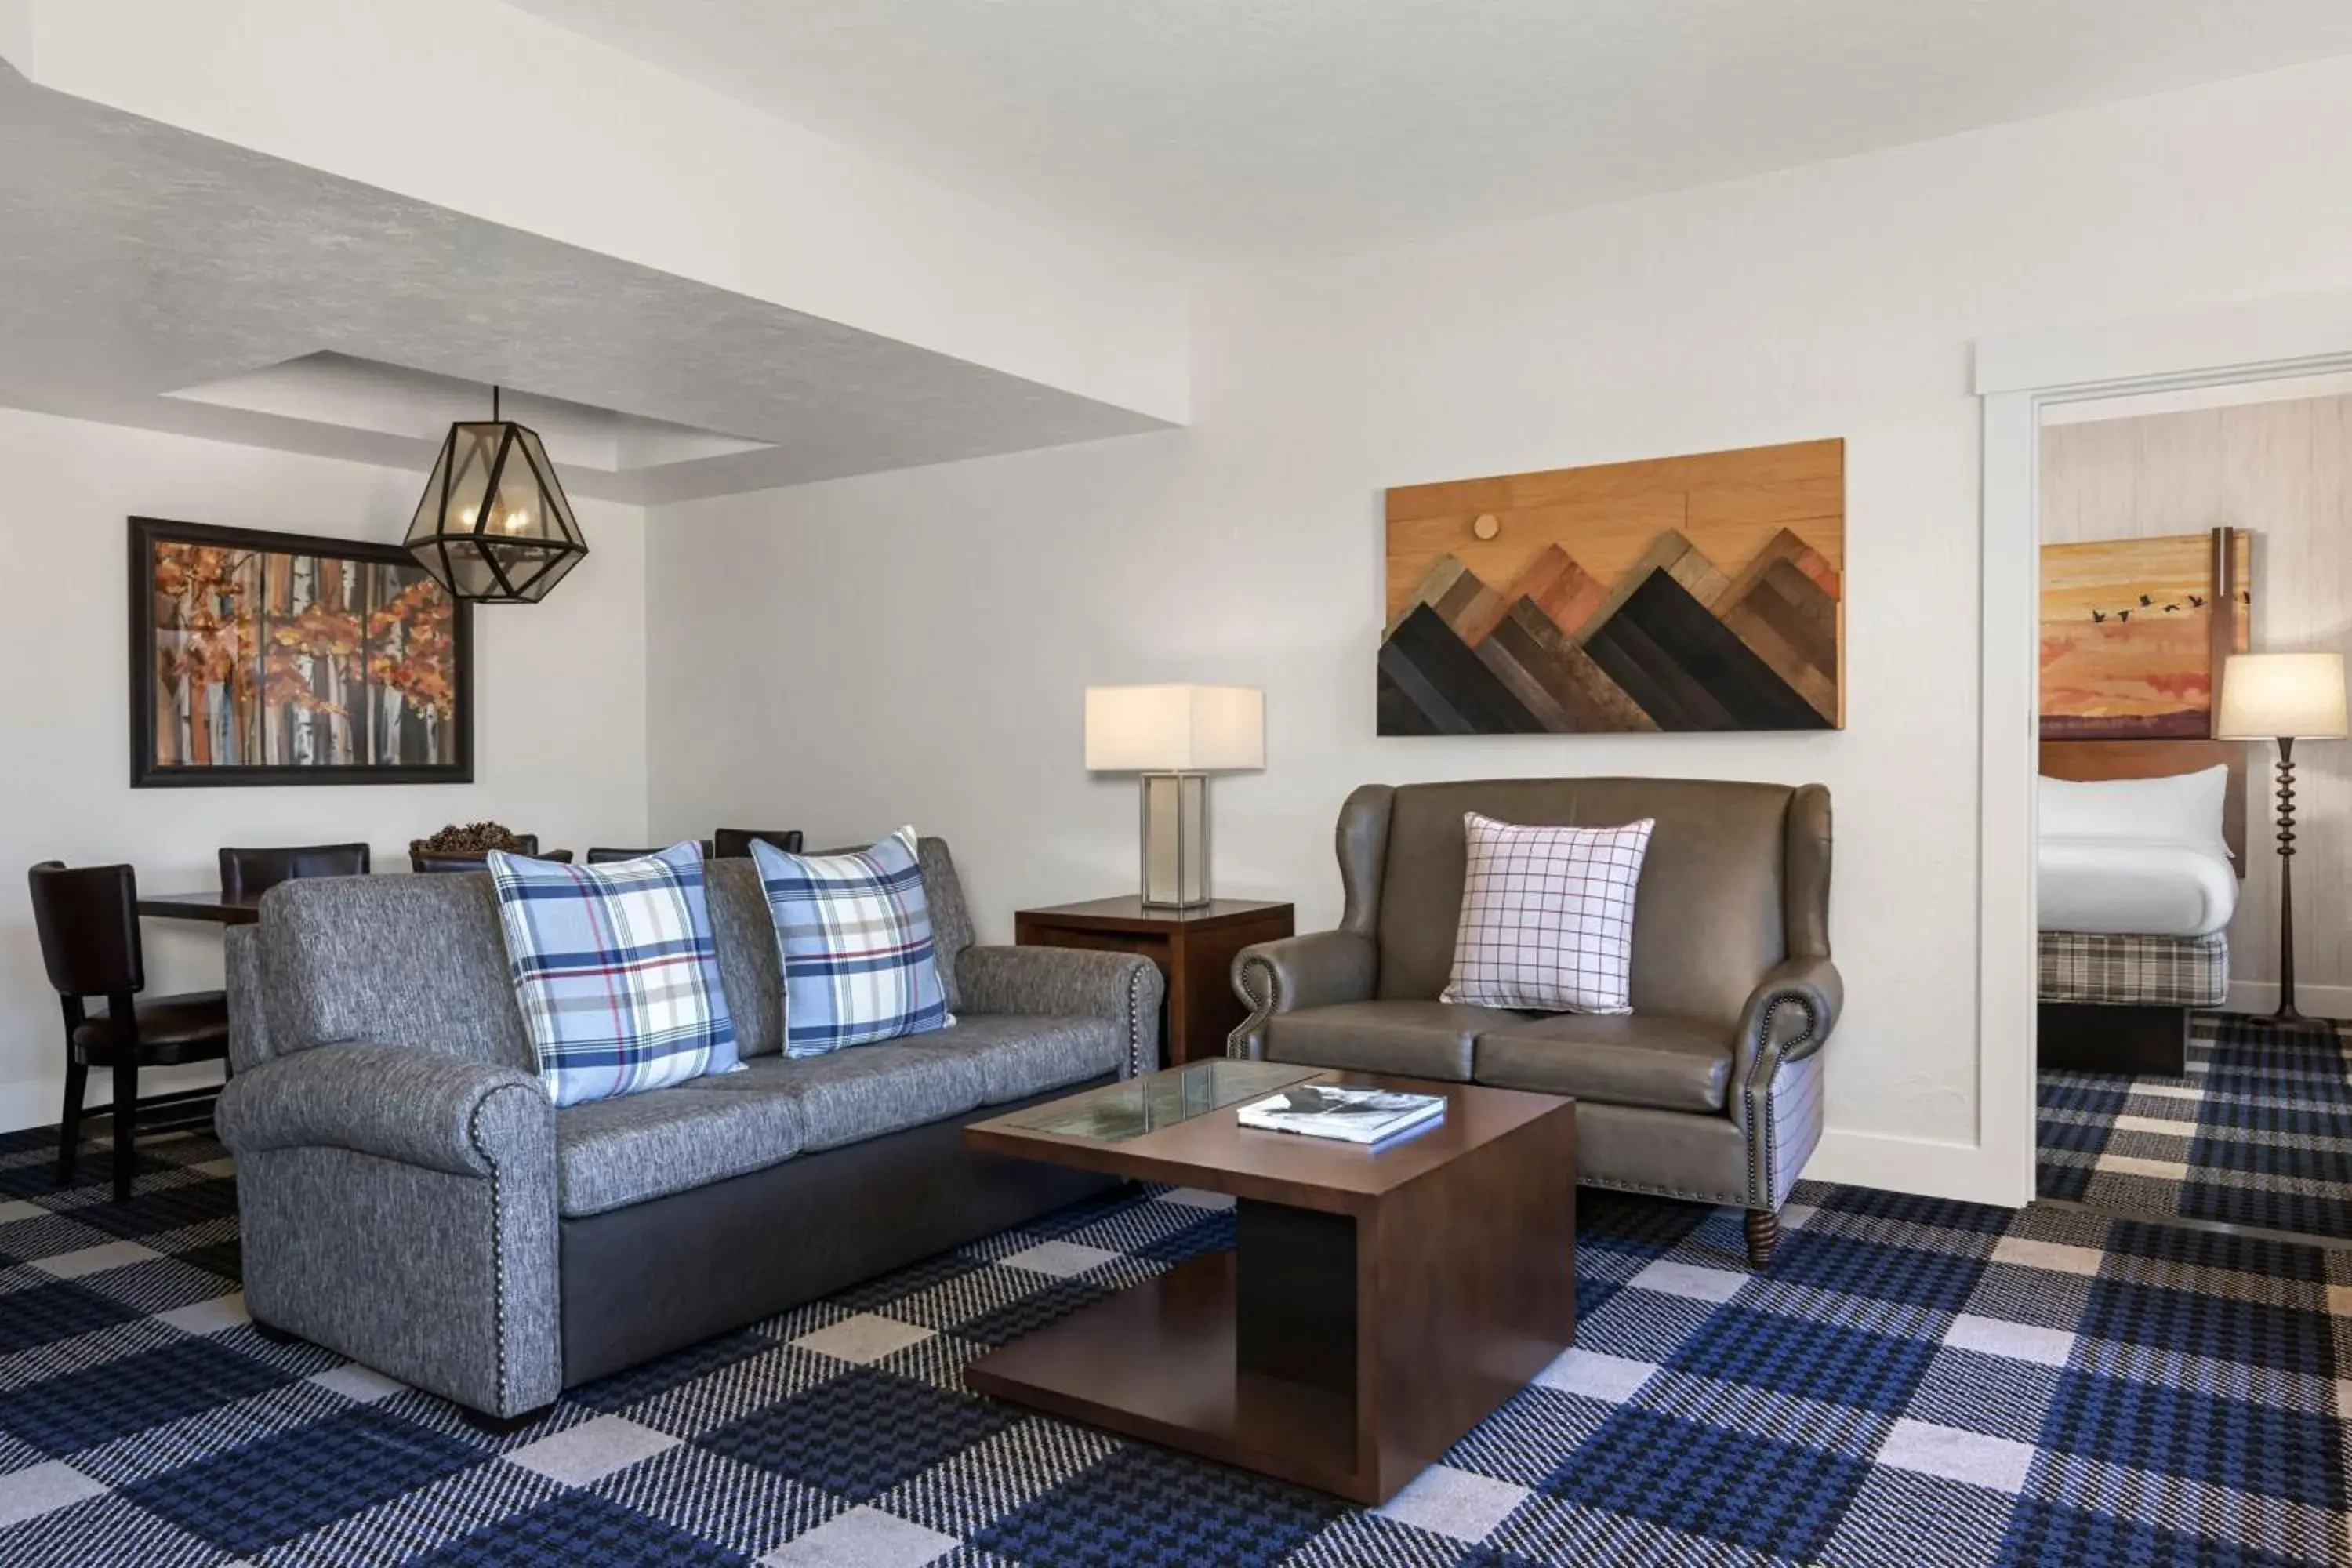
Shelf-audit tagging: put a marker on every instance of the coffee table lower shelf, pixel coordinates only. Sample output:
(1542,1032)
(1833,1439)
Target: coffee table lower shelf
(1159,1362)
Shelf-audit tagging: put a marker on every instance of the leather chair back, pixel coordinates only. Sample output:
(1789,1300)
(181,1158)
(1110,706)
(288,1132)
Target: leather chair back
(605,855)
(735,843)
(248,873)
(1723,899)
(87,920)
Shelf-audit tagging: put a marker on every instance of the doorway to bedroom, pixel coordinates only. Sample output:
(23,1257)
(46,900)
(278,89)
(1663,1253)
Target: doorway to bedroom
(2195,612)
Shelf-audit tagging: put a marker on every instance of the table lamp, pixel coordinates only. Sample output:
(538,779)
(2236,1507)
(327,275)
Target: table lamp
(1174,736)
(2286,698)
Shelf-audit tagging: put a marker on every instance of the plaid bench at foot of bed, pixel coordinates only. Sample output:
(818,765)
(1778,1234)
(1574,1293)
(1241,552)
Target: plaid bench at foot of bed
(2135,970)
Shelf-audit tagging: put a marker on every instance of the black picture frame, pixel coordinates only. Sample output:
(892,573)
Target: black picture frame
(454,741)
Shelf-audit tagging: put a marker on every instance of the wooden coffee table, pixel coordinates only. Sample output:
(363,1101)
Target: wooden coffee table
(1377,1305)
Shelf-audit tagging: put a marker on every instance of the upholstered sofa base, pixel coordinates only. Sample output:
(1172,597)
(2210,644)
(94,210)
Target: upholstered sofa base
(642,1282)
(1667,1153)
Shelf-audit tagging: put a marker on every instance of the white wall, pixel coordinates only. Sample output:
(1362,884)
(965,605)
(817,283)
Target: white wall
(913,646)
(559,700)
(2283,469)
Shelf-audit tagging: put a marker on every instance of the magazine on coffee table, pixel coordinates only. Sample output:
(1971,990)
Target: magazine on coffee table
(1351,1115)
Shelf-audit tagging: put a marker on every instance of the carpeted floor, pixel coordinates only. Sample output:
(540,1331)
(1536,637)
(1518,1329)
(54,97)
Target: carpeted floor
(1912,1382)
(2259,1131)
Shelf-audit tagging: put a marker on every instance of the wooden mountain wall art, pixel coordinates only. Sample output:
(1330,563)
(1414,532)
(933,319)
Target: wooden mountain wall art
(1695,593)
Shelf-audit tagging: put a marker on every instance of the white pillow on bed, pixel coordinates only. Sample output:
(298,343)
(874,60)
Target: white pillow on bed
(2180,808)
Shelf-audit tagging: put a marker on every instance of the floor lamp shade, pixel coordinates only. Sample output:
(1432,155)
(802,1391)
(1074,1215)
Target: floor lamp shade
(2286,698)
(1173,736)
(2282,696)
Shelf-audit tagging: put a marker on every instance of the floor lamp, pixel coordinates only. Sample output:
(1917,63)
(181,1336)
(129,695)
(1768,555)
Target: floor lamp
(2286,698)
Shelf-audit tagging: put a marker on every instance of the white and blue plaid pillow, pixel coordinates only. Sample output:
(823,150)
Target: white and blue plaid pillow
(616,972)
(855,934)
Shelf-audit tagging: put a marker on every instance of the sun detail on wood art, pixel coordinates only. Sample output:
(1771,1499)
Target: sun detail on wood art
(1680,593)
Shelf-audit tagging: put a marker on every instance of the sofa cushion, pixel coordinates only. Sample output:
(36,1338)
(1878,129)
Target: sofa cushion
(1412,1039)
(610,1154)
(854,934)
(1547,916)
(860,1091)
(1020,1055)
(1657,1059)
(616,972)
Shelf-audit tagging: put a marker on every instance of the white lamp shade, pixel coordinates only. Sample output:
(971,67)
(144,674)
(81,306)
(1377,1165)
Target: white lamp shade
(1174,729)
(2274,695)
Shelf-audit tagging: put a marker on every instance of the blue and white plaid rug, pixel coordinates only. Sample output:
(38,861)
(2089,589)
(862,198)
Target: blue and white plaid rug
(1912,1382)
(2258,1132)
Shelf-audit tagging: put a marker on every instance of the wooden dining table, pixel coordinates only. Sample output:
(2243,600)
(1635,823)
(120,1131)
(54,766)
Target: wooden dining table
(214,908)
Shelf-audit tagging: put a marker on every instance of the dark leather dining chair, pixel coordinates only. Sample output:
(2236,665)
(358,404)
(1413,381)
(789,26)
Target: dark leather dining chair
(249,873)
(87,919)
(735,843)
(478,859)
(606,855)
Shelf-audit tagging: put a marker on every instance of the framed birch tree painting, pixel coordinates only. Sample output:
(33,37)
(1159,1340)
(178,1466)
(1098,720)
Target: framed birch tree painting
(280,658)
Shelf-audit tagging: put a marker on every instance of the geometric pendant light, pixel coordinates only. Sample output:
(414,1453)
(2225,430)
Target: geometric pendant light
(494,526)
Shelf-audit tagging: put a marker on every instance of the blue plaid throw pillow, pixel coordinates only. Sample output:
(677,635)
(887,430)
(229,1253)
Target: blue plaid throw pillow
(855,934)
(616,972)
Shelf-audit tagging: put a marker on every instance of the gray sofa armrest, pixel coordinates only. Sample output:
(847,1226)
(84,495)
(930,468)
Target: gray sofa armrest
(392,1102)
(1069,982)
(1789,1014)
(399,1206)
(1316,969)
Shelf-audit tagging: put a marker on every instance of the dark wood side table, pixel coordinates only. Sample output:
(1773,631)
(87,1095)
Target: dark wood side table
(1194,949)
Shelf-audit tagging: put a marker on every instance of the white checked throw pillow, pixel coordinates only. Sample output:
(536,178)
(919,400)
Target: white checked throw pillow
(1548,916)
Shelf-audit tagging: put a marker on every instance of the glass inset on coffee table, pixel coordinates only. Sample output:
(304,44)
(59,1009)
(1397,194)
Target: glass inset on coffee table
(1146,1104)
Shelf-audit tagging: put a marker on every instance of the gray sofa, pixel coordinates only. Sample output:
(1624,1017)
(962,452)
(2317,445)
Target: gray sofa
(411,1198)
(1710,1089)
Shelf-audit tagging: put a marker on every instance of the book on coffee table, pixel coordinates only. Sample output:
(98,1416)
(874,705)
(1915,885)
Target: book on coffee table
(1351,1115)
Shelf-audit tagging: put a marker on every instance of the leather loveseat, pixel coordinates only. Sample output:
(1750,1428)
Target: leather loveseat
(1710,1089)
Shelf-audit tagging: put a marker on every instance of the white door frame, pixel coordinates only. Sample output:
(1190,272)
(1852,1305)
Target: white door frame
(2016,377)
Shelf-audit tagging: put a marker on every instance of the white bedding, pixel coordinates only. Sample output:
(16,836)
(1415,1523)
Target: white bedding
(2134,890)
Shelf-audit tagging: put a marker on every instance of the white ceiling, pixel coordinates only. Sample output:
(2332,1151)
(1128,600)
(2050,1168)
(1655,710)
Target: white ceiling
(151,277)
(1238,133)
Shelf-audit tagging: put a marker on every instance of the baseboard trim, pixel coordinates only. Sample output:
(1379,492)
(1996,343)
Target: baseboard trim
(2261,996)
(1928,1167)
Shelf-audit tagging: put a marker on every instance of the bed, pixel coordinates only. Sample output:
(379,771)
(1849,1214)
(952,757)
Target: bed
(2140,857)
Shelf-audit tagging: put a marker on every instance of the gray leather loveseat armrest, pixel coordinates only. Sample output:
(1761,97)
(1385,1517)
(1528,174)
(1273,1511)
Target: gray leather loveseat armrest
(1776,1092)
(1789,1014)
(1068,981)
(1317,970)
(400,1208)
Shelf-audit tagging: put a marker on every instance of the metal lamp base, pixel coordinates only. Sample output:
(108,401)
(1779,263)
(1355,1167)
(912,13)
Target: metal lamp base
(1175,841)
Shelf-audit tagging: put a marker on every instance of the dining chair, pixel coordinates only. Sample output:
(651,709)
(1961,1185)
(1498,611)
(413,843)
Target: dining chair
(735,843)
(88,923)
(249,873)
(606,855)
(478,859)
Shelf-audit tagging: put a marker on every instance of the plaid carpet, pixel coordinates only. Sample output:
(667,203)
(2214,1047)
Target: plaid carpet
(1914,1382)
(2259,1133)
